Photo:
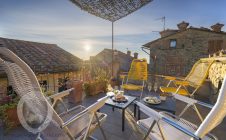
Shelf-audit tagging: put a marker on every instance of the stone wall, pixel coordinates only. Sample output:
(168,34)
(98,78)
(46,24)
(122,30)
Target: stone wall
(52,81)
(192,45)
(217,71)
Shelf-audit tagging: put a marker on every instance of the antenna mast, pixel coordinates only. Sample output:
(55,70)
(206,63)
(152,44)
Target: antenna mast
(163,19)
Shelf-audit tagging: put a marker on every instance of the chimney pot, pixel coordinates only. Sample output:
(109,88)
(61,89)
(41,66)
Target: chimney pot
(129,53)
(217,27)
(135,55)
(182,26)
(167,32)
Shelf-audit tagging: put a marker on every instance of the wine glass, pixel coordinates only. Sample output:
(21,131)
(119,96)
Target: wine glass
(116,87)
(149,87)
(121,88)
(155,87)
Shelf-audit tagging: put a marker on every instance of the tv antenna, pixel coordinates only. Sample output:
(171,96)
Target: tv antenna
(163,19)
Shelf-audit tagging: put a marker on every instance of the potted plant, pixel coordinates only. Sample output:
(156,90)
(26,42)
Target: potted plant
(8,110)
(89,88)
(99,83)
(76,95)
(8,114)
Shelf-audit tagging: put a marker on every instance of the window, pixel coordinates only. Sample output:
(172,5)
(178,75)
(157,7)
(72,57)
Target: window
(173,43)
(44,85)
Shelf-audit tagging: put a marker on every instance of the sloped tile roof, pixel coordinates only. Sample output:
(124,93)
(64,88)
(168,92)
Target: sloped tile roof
(42,57)
(105,57)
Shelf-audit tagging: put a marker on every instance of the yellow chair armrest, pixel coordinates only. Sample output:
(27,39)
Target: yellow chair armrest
(174,90)
(132,87)
(183,83)
(170,78)
(122,76)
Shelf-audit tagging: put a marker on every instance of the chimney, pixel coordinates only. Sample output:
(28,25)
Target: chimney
(167,32)
(135,55)
(217,27)
(1,43)
(182,26)
(129,53)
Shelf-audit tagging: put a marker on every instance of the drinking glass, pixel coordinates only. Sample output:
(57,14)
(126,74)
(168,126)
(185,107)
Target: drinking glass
(149,87)
(121,88)
(155,87)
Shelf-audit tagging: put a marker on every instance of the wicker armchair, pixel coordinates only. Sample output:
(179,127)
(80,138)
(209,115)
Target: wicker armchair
(36,113)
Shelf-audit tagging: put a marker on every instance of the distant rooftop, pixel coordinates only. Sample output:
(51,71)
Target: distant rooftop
(104,57)
(183,27)
(43,57)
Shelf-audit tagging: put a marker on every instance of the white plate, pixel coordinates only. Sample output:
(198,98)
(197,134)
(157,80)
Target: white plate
(152,100)
(110,94)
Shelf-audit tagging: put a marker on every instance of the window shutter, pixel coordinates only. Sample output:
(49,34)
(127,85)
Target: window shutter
(219,45)
(210,46)
(214,46)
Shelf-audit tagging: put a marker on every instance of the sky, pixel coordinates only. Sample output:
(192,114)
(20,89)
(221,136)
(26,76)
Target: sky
(61,22)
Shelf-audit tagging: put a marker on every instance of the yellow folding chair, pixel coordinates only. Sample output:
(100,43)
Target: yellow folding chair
(137,76)
(194,79)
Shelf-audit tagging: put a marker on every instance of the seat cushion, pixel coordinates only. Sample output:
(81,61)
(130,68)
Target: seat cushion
(173,90)
(169,131)
(132,87)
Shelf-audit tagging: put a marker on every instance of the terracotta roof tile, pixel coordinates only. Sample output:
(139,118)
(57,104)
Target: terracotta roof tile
(42,57)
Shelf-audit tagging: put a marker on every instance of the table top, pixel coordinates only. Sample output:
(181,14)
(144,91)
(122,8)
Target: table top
(112,103)
(168,105)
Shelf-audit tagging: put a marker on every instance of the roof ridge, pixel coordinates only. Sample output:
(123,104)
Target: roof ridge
(27,41)
(190,28)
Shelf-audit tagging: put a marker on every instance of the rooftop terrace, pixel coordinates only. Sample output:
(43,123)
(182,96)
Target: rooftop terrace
(112,126)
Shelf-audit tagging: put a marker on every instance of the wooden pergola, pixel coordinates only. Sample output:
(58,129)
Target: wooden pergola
(111,10)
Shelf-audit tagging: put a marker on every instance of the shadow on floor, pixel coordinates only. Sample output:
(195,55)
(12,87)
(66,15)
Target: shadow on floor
(112,126)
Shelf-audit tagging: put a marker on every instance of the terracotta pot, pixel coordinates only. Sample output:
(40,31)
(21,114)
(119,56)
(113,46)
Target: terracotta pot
(12,116)
(99,88)
(114,83)
(96,88)
(76,95)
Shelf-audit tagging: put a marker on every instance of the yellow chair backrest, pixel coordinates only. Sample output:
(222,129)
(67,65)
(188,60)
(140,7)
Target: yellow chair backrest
(199,72)
(138,70)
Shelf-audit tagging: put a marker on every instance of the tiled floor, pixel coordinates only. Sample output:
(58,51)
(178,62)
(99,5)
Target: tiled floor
(112,126)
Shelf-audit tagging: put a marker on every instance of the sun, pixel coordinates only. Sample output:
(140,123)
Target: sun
(87,47)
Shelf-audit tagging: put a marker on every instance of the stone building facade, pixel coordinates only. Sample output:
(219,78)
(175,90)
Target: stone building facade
(121,61)
(177,50)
